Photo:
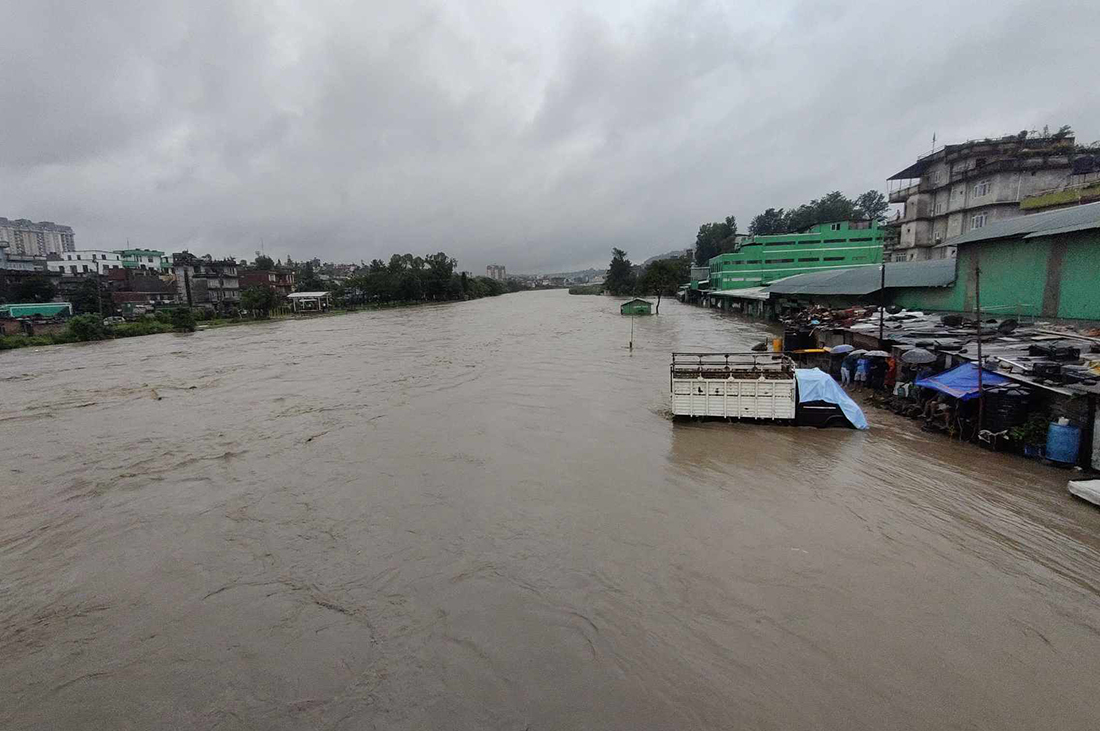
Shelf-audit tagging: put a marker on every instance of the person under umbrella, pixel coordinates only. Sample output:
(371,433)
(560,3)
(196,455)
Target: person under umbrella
(848,366)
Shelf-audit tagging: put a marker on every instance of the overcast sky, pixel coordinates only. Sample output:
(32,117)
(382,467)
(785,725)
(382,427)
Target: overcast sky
(537,135)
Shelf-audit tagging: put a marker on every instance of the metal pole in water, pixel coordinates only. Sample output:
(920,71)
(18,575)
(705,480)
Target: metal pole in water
(632,331)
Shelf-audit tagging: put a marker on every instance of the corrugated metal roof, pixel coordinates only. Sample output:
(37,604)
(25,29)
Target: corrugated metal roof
(32,309)
(867,279)
(745,293)
(1050,223)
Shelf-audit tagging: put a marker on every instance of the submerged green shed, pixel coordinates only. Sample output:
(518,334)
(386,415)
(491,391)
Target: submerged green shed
(636,307)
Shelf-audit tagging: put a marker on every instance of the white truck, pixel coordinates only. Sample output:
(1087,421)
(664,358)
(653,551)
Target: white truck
(733,385)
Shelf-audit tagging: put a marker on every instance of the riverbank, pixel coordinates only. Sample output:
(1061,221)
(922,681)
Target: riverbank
(151,326)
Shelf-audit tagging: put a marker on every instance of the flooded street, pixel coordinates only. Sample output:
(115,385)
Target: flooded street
(479,515)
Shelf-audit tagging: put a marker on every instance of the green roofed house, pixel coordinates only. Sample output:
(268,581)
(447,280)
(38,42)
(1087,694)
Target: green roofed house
(36,309)
(636,307)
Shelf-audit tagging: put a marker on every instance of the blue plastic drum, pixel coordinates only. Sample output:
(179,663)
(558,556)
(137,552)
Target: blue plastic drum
(1063,443)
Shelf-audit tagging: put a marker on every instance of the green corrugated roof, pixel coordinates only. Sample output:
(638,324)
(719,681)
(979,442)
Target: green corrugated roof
(34,309)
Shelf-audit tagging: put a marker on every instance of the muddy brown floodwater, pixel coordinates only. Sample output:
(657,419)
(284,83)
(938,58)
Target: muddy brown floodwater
(479,516)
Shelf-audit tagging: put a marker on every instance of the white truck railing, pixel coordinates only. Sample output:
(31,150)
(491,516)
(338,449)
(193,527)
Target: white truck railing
(733,385)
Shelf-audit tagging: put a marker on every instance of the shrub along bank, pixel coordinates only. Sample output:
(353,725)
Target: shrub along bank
(87,328)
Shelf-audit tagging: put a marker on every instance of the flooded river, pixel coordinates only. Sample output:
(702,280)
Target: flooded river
(479,516)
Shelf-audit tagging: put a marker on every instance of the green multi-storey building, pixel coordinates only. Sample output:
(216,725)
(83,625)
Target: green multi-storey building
(763,259)
(147,259)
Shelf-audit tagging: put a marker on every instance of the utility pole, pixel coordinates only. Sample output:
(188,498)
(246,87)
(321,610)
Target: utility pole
(978,312)
(882,300)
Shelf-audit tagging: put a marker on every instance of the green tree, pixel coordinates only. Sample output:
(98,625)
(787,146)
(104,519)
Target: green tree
(664,277)
(620,274)
(872,205)
(440,269)
(264,262)
(771,221)
(183,319)
(87,297)
(714,239)
(833,206)
(260,300)
(88,327)
(308,280)
(35,289)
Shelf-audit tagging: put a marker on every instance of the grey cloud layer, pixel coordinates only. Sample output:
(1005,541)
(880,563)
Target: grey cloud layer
(538,137)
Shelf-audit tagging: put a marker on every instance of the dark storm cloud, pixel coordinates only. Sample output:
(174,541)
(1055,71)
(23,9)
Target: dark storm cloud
(538,137)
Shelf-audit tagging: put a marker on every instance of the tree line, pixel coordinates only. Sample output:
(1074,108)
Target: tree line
(410,278)
(720,237)
(660,278)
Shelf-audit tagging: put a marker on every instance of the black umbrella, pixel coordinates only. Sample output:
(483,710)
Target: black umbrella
(918,356)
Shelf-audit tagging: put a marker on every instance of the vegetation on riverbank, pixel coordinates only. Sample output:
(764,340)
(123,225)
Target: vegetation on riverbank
(90,327)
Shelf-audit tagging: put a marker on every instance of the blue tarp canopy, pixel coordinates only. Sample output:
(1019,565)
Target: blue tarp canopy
(961,382)
(815,384)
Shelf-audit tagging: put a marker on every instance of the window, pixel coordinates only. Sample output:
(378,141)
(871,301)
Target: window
(977,221)
(752,261)
(78,257)
(834,226)
(865,238)
(834,241)
(982,189)
(939,207)
(778,261)
(778,243)
(810,258)
(73,267)
(85,268)
(833,258)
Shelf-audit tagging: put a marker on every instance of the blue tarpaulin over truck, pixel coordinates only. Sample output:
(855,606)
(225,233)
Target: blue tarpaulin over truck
(815,384)
(961,382)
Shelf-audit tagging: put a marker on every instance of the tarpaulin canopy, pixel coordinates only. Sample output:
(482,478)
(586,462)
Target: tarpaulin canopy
(816,385)
(961,382)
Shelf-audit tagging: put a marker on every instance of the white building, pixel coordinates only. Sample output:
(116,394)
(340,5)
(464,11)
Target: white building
(35,239)
(85,261)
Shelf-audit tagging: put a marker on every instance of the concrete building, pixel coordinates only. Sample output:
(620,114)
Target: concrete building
(280,280)
(20,262)
(15,268)
(496,271)
(963,187)
(136,291)
(85,261)
(28,237)
(146,259)
(206,282)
